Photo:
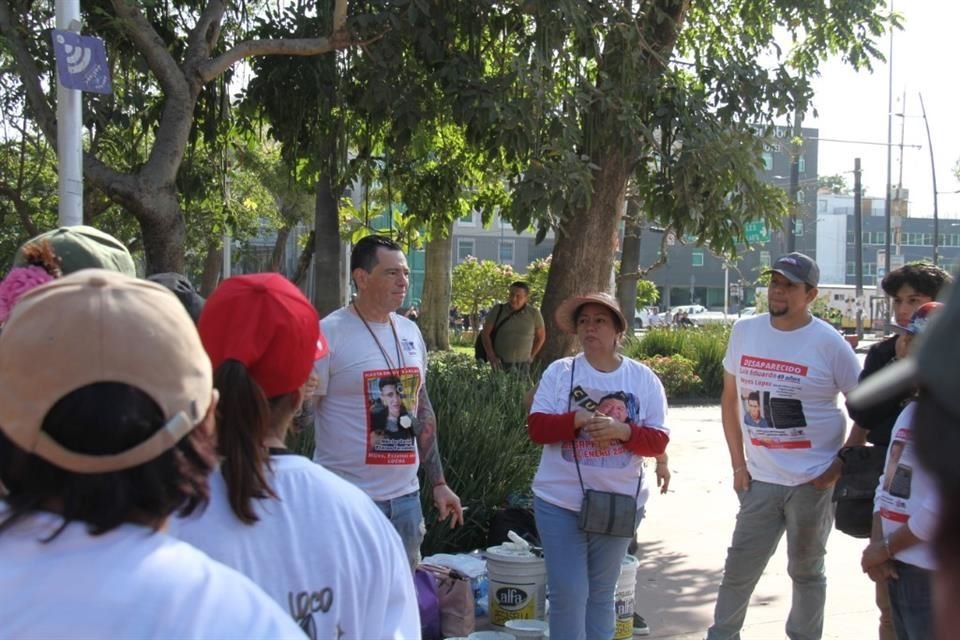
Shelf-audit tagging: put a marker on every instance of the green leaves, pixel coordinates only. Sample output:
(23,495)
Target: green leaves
(479,284)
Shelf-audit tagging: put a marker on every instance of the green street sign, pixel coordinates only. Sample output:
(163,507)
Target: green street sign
(757,232)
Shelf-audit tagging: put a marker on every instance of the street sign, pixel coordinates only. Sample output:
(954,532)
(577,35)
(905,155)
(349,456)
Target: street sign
(81,62)
(756,232)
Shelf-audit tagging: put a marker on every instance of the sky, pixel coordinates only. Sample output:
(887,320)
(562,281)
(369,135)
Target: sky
(853,106)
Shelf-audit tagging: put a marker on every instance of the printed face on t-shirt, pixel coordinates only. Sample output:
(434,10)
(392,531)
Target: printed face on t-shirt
(392,398)
(753,407)
(613,407)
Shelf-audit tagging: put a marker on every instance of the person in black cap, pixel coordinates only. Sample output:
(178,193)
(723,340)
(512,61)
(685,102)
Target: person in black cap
(796,365)
(932,369)
(180,285)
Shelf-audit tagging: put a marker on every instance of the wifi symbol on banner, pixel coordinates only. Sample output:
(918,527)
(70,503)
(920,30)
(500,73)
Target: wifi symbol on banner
(81,62)
(78,58)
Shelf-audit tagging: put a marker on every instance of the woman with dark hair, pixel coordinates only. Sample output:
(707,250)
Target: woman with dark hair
(312,541)
(99,446)
(597,414)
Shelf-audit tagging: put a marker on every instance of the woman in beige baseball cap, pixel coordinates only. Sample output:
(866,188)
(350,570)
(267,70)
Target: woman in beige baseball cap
(106,420)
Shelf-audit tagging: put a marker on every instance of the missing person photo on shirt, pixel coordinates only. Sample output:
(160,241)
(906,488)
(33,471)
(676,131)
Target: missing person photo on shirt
(753,411)
(391,399)
(619,405)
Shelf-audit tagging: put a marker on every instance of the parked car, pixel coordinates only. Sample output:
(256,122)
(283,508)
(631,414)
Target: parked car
(647,317)
(699,315)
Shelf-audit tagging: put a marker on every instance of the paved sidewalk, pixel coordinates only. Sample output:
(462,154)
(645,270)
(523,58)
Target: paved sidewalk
(684,539)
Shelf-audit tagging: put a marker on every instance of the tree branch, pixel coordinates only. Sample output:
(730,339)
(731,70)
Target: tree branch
(153,49)
(288,47)
(29,73)
(21,207)
(304,262)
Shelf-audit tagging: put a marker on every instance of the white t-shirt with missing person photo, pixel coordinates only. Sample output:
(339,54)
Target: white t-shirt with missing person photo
(789,385)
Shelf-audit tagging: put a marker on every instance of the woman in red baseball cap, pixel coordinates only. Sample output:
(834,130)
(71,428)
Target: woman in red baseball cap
(311,540)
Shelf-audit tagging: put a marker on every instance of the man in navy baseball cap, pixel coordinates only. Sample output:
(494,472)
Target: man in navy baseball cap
(797,267)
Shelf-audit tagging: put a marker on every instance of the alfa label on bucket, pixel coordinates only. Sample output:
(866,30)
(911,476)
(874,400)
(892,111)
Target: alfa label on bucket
(512,602)
(624,607)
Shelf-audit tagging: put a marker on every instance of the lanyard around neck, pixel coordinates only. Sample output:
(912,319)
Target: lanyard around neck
(383,352)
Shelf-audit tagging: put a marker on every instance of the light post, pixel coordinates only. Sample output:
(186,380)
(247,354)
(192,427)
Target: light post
(887,212)
(933,176)
(69,130)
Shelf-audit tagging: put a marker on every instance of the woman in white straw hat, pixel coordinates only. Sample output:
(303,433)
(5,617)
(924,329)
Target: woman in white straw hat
(586,451)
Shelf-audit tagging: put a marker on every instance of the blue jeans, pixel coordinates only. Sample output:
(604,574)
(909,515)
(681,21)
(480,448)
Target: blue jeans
(766,511)
(582,573)
(911,599)
(406,516)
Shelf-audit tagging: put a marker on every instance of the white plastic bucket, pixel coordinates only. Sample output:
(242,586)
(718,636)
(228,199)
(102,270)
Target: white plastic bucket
(517,584)
(490,635)
(527,629)
(624,598)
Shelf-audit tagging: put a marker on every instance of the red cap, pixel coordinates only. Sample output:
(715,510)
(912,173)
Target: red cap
(263,321)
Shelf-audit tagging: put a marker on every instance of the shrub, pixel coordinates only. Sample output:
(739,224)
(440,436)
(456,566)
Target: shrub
(676,373)
(487,456)
(704,346)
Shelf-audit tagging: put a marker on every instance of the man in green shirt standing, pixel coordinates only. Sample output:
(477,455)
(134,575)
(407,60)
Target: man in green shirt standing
(513,332)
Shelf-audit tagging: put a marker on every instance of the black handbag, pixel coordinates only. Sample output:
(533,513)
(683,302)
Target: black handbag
(855,490)
(604,512)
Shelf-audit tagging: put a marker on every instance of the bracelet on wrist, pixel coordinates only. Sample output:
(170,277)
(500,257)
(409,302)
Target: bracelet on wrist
(440,483)
(737,470)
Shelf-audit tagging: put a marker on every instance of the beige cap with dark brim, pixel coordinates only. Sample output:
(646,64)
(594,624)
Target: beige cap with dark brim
(100,326)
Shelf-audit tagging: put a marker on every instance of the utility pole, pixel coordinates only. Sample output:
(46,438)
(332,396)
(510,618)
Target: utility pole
(933,174)
(69,144)
(858,239)
(887,212)
(797,149)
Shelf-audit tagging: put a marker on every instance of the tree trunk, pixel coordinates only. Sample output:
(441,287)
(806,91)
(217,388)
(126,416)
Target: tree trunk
(326,258)
(629,262)
(164,235)
(583,254)
(306,257)
(212,264)
(435,300)
(279,247)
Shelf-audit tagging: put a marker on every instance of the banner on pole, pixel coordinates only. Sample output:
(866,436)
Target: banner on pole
(81,62)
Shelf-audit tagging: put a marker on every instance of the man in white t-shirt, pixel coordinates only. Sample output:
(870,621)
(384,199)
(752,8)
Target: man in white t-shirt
(374,351)
(98,447)
(796,365)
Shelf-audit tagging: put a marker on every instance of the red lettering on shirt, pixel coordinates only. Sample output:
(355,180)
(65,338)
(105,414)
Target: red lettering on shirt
(770,443)
(779,366)
(896,516)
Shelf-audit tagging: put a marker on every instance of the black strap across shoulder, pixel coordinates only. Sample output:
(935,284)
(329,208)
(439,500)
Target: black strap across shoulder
(573,443)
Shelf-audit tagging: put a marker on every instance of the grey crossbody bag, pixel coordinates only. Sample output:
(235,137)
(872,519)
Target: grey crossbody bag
(604,512)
